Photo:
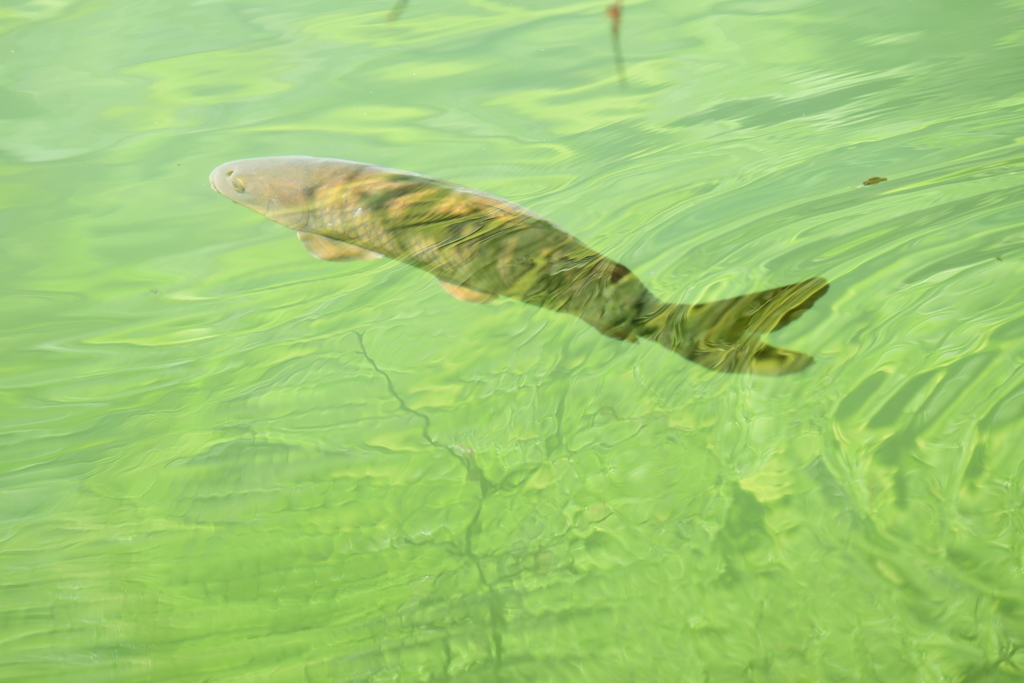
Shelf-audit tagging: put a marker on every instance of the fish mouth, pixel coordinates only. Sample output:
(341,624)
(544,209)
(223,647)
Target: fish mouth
(218,180)
(224,181)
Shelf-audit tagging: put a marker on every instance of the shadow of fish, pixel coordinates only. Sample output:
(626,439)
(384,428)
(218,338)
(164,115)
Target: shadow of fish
(480,247)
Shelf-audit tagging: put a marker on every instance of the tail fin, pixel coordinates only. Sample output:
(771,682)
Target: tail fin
(725,335)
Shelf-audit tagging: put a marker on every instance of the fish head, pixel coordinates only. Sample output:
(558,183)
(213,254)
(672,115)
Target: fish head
(281,188)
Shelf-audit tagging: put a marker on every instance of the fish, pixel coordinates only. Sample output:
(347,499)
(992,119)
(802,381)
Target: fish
(480,246)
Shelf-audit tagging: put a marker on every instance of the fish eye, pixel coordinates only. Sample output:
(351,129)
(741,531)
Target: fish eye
(237,184)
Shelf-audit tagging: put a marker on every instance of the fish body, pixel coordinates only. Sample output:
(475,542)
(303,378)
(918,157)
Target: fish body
(481,246)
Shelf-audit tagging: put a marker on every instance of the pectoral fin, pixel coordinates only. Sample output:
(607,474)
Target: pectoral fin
(466,294)
(334,250)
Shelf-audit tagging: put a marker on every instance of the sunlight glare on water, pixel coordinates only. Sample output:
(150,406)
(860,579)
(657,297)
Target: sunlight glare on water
(224,460)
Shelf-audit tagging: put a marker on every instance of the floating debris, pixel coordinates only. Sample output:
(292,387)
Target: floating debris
(614,13)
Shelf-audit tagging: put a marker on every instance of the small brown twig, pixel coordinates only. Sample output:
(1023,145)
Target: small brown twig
(614,12)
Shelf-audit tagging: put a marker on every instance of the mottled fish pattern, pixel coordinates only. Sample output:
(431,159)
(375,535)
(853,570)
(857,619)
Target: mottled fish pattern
(480,247)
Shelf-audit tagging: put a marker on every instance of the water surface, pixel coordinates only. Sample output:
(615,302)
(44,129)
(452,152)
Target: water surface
(224,460)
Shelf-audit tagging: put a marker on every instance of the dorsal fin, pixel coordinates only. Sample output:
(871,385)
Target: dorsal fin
(330,249)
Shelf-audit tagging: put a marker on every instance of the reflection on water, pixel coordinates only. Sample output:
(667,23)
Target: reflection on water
(223,460)
(480,247)
(397,10)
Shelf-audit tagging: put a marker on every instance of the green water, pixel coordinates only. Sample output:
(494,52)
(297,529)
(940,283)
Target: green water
(224,460)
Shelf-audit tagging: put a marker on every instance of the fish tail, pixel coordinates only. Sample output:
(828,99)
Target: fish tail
(725,335)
